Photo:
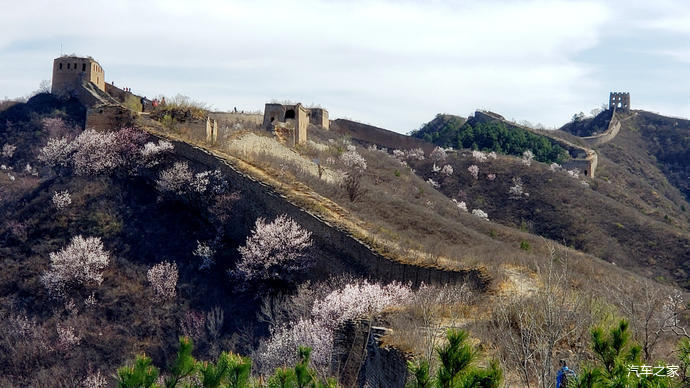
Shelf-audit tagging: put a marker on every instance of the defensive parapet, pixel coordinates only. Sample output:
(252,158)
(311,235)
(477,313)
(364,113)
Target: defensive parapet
(582,158)
(348,253)
(369,134)
(608,135)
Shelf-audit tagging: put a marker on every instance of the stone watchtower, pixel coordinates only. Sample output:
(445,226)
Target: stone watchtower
(619,101)
(69,73)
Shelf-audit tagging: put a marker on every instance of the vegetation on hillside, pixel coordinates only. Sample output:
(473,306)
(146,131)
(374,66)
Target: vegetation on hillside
(453,132)
(113,245)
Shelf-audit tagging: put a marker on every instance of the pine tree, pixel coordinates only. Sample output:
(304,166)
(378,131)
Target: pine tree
(139,375)
(457,369)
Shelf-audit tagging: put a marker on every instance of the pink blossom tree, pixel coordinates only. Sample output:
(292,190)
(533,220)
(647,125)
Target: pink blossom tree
(274,251)
(351,181)
(280,349)
(96,153)
(79,264)
(358,299)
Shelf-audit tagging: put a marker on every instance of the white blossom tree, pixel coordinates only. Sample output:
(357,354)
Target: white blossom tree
(163,278)
(461,205)
(280,349)
(517,191)
(274,251)
(62,199)
(57,152)
(358,299)
(474,170)
(79,264)
(479,156)
(527,158)
(205,252)
(415,154)
(354,299)
(176,179)
(481,214)
(152,153)
(438,154)
(447,170)
(8,150)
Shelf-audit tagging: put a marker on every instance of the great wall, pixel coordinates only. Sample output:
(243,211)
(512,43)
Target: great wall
(111,107)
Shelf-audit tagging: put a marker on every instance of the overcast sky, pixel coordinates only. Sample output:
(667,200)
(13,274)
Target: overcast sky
(391,64)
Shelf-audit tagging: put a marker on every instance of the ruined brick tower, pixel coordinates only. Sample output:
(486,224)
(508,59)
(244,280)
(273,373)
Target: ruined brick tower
(619,101)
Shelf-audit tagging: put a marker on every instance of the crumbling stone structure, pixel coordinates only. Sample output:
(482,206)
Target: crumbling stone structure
(619,101)
(211,130)
(293,116)
(290,121)
(319,116)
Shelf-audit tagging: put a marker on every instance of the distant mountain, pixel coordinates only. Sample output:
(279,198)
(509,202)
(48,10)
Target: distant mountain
(457,132)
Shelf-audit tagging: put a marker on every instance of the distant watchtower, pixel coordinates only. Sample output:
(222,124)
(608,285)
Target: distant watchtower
(619,101)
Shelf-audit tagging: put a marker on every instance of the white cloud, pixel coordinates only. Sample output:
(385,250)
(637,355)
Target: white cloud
(394,64)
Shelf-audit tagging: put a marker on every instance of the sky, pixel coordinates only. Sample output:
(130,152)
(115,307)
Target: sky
(390,64)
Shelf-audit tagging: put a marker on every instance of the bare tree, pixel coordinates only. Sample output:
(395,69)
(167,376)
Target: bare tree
(530,329)
(654,312)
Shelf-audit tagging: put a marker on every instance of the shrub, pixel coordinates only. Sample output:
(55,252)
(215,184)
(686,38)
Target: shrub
(274,250)
(524,245)
(80,264)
